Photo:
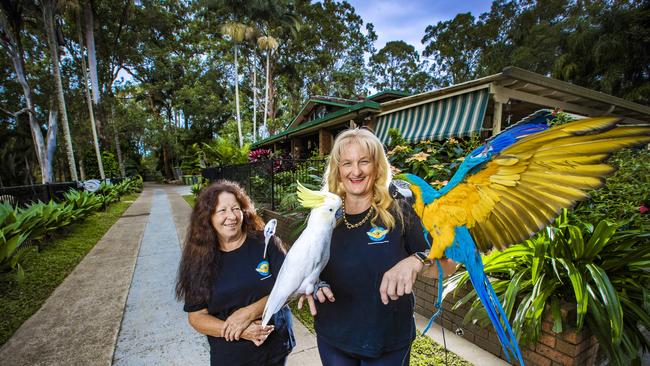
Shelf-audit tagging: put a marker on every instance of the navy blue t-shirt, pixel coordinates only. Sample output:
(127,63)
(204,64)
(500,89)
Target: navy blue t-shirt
(358,322)
(239,282)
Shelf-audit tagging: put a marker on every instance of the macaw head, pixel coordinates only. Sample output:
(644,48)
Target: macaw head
(422,191)
(323,204)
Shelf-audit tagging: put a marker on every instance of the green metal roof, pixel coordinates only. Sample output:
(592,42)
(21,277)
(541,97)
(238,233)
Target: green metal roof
(325,118)
(388,91)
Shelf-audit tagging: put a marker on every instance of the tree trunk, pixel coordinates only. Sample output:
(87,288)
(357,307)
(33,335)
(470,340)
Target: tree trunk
(241,137)
(266,92)
(82,171)
(93,126)
(12,45)
(92,62)
(48,8)
(254,99)
(120,162)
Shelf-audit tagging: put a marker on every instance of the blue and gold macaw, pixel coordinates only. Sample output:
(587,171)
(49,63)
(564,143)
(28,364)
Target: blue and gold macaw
(513,186)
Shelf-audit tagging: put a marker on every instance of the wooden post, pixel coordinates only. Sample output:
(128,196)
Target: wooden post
(499,100)
(325,140)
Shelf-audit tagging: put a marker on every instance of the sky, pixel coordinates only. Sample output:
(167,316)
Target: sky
(406,20)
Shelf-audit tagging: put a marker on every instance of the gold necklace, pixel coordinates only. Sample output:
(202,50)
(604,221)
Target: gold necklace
(354,226)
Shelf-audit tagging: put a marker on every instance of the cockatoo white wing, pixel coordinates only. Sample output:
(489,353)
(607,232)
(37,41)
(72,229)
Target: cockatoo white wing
(294,271)
(310,252)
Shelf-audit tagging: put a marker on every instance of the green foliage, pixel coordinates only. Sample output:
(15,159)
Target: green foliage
(397,67)
(600,272)
(624,195)
(45,270)
(34,224)
(223,152)
(302,314)
(433,161)
(595,44)
(198,187)
(426,352)
(83,202)
(309,173)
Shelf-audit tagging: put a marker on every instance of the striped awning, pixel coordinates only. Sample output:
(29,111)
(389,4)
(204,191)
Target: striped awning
(457,116)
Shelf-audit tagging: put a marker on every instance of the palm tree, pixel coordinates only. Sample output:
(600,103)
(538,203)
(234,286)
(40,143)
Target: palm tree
(48,8)
(269,44)
(236,32)
(251,37)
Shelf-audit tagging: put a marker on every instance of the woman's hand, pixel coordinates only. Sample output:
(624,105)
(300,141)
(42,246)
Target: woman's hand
(323,293)
(448,267)
(256,333)
(399,280)
(236,323)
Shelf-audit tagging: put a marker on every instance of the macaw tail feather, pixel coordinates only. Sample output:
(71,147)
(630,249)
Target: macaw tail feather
(464,251)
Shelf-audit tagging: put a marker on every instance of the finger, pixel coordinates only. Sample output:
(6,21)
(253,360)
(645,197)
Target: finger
(238,333)
(383,287)
(400,288)
(328,293)
(391,290)
(300,301)
(408,288)
(225,332)
(312,305)
(320,295)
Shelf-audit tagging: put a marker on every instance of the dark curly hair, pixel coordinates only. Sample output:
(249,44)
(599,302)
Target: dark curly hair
(201,253)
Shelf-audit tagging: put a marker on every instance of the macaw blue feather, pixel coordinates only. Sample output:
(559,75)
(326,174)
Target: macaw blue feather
(534,123)
(429,194)
(464,251)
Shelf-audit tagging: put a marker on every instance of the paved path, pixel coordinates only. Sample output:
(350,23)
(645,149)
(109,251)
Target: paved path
(79,322)
(154,331)
(125,286)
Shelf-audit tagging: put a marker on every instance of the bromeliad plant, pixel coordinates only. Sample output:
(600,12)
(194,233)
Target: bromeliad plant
(601,272)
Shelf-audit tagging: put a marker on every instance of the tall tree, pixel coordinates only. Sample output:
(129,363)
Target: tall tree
(11,22)
(236,32)
(49,9)
(268,44)
(91,110)
(397,67)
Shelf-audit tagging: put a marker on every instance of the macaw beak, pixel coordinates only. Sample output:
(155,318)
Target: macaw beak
(400,189)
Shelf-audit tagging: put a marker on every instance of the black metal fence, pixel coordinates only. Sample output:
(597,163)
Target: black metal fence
(24,195)
(268,181)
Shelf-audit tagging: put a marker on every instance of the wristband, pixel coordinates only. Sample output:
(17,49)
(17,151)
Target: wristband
(319,286)
(423,257)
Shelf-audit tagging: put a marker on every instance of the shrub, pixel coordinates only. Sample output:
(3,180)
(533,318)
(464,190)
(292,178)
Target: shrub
(624,195)
(602,272)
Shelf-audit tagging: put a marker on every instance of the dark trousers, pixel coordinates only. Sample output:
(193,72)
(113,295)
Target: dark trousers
(332,356)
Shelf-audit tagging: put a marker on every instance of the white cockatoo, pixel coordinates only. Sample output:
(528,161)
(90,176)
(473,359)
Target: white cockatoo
(308,254)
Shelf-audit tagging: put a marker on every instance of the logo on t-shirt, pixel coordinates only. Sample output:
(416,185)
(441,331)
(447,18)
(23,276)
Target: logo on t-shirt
(377,233)
(263,268)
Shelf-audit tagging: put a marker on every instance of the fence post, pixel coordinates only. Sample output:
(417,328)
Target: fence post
(49,191)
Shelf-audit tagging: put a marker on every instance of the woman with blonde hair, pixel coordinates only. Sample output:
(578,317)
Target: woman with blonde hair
(377,250)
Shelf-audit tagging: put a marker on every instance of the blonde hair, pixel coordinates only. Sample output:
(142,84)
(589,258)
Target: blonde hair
(382,202)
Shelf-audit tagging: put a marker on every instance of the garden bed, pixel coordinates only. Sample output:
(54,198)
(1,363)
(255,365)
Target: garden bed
(46,269)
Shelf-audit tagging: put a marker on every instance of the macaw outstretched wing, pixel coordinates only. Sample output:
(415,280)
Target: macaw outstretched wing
(516,192)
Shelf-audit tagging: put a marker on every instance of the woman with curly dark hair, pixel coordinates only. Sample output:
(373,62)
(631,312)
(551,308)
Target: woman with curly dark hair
(224,280)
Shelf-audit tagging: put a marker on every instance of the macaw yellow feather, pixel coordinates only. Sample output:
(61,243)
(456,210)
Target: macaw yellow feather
(526,186)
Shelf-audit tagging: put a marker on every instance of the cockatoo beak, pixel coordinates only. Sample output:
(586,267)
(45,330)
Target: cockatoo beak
(269,231)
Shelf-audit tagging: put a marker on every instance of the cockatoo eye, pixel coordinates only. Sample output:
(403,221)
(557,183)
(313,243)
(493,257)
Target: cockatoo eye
(330,210)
